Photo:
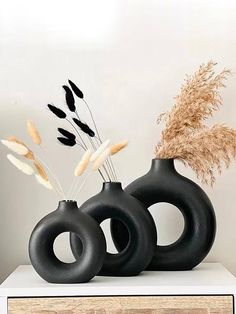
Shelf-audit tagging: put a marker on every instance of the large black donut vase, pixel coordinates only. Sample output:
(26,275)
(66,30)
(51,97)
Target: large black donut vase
(164,184)
(141,238)
(67,218)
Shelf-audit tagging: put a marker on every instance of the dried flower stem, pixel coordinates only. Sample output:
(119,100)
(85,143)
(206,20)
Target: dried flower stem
(80,187)
(57,187)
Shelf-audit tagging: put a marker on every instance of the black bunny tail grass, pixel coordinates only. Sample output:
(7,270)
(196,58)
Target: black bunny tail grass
(67,134)
(76,90)
(84,127)
(57,111)
(66,141)
(69,98)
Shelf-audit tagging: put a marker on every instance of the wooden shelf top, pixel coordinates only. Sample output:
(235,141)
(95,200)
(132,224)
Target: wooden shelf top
(207,278)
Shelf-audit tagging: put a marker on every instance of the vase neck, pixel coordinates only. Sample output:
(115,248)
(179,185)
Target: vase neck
(163,165)
(67,205)
(111,186)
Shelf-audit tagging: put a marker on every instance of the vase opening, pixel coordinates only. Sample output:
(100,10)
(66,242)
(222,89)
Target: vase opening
(67,205)
(111,186)
(162,164)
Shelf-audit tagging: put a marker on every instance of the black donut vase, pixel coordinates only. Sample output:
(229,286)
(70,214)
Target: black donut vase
(141,238)
(67,218)
(164,184)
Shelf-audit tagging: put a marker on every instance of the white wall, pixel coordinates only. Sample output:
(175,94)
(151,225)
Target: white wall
(129,58)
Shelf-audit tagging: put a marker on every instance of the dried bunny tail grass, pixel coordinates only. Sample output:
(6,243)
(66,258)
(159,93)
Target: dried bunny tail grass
(30,154)
(83,163)
(20,165)
(100,149)
(206,152)
(117,147)
(33,132)
(43,182)
(15,147)
(101,159)
(41,171)
(198,99)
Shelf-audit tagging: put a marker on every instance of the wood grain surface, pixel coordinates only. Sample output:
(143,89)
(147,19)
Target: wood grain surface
(123,305)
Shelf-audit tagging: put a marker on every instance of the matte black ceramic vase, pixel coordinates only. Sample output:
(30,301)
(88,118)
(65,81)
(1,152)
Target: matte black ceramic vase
(113,202)
(164,184)
(67,218)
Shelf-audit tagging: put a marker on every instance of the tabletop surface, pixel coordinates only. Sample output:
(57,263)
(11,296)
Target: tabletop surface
(207,278)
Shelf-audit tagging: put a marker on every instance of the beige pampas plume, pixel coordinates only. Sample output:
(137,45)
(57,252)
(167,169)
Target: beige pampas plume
(30,154)
(41,171)
(117,147)
(20,165)
(186,136)
(15,147)
(101,159)
(83,163)
(33,132)
(100,149)
(43,182)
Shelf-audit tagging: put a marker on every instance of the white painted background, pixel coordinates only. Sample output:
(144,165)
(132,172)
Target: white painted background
(129,58)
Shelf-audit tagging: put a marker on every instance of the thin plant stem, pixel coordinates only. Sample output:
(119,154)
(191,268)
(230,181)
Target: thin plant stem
(84,144)
(98,135)
(81,185)
(103,166)
(61,193)
(91,115)
(51,170)
(71,189)
(101,174)
(109,163)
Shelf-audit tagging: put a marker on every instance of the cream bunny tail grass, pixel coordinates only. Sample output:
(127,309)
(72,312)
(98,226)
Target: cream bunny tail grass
(16,147)
(100,149)
(101,159)
(41,171)
(83,163)
(33,132)
(117,147)
(30,154)
(20,165)
(43,182)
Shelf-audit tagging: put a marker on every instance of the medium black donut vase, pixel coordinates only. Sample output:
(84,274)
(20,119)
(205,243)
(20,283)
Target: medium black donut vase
(164,184)
(67,218)
(113,202)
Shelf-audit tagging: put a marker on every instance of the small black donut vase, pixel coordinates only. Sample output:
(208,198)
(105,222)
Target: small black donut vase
(67,218)
(164,184)
(113,202)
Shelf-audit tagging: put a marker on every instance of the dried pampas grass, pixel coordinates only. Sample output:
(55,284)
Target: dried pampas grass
(33,132)
(83,164)
(15,147)
(20,165)
(187,138)
(198,99)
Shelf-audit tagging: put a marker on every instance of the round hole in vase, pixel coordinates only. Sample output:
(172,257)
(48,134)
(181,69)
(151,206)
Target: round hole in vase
(105,225)
(140,232)
(164,184)
(61,248)
(67,218)
(169,222)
